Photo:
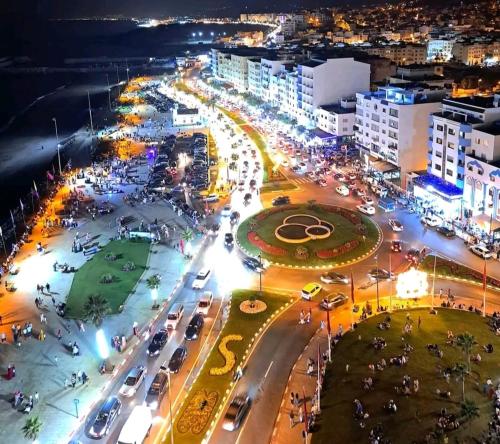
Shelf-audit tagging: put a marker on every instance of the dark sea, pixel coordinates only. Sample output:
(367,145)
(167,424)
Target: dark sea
(30,100)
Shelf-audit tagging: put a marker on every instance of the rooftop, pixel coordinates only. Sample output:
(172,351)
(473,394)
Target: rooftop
(436,184)
(337,109)
(456,117)
(492,128)
(479,102)
(312,63)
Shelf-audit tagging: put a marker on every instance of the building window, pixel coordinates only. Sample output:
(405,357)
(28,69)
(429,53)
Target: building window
(449,172)
(439,127)
(439,140)
(437,167)
(451,145)
(451,131)
(393,112)
(449,159)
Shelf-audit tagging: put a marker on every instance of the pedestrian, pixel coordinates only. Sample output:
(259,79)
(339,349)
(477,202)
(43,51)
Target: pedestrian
(297,400)
(0,319)
(85,378)
(59,334)
(53,301)
(73,380)
(41,335)
(292,398)
(36,397)
(47,286)
(419,321)
(292,418)
(3,338)
(79,375)
(301,415)
(347,368)
(416,385)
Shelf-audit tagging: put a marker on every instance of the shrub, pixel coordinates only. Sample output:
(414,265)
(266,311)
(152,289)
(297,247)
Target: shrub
(106,278)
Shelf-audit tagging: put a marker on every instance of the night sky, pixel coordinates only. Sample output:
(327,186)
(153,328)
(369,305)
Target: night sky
(153,8)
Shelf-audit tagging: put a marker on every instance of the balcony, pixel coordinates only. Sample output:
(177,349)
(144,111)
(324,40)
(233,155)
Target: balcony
(464,142)
(465,127)
(430,143)
(430,131)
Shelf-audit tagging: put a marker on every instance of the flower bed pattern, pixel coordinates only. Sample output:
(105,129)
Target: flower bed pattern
(228,355)
(264,246)
(198,412)
(334,252)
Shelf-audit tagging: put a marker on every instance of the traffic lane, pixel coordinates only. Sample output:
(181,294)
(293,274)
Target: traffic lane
(280,345)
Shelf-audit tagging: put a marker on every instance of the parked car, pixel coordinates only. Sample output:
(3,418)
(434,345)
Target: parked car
(135,377)
(321,182)
(331,277)
(366,209)
(205,303)
(158,342)
(367,200)
(431,220)
(481,251)
(333,300)
(177,359)
(396,246)
(342,190)
(446,232)
(358,192)
(105,418)
(201,279)
(235,413)
(157,390)
(281,200)
(194,327)
(310,290)
(395,225)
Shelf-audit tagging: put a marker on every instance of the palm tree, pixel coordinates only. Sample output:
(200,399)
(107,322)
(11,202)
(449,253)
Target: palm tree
(460,371)
(32,428)
(187,235)
(466,342)
(153,283)
(469,411)
(95,309)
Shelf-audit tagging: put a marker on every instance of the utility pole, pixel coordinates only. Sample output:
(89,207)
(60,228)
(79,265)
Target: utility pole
(126,62)
(377,276)
(109,92)
(91,122)
(57,141)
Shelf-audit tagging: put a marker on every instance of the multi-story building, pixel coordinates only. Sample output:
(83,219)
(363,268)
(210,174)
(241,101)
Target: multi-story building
(269,67)
(391,125)
(337,119)
(254,77)
(440,49)
(402,54)
(476,52)
(450,141)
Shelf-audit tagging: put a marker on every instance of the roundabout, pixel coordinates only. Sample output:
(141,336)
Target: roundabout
(309,236)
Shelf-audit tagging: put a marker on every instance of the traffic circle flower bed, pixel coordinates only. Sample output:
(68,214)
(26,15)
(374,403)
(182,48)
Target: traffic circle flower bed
(330,236)
(228,355)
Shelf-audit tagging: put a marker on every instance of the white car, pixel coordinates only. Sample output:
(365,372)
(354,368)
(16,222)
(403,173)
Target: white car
(432,221)
(226,211)
(367,200)
(481,251)
(135,377)
(342,190)
(205,303)
(201,279)
(366,209)
(395,225)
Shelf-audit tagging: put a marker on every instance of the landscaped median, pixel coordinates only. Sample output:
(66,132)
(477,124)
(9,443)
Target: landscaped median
(448,269)
(112,273)
(206,397)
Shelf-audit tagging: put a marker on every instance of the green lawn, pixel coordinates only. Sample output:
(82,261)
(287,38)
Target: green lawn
(343,232)
(239,323)
(87,279)
(417,414)
(281,185)
(445,267)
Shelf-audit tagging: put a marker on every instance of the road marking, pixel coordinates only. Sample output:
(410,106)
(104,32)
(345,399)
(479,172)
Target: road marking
(268,369)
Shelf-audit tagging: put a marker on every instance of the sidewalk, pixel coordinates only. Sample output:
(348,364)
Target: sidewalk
(44,367)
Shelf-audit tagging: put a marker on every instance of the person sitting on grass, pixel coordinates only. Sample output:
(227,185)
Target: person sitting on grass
(391,406)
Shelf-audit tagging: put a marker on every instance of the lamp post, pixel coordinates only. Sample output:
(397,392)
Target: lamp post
(390,281)
(376,279)
(433,281)
(76,402)
(170,409)
(57,140)
(3,242)
(260,276)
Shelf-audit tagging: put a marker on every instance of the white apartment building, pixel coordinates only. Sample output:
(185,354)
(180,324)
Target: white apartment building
(269,67)
(475,53)
(254,77)
(402,54)
(391,125)
(323,82)
(337,119)
(440,49)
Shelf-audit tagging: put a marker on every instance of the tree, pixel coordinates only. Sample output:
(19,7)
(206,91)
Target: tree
(95,309)
(469,411)
(153,282)
(466,342)
(32,428)
(187,235)
(460,371)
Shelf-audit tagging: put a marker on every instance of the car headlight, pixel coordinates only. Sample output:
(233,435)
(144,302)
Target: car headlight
(157,352)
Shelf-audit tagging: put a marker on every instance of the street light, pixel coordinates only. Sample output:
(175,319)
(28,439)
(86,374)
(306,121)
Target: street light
(260,276)
(170,406)
(57,140)
(376,278)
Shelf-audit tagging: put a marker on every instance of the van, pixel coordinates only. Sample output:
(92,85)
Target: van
(157,390)
(137,427)
(174,316)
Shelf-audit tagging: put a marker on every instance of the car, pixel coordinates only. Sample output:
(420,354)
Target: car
(380,274)
(201,279)
(331,277)
(333,300)
(205,303)
(177,359)
(366,209)
(194,327)
(234,218)
(321,182)
(367,200)
(254,264)
(135,377)
(284,163)
(358,192)
(310,290)
(340,177)
(212,198)
(396,246)
(236,412)
(157,390)
(431,221)
(342,190)
(107,414)
(174,315)
(158,342)
(446,232)
(229,240)
(353,176)
(413,255)
(395,225)
(241,185)
(481,251)
(137,426)
(281,200)
(226,210)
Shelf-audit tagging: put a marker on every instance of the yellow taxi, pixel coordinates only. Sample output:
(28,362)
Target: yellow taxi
(310,290)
